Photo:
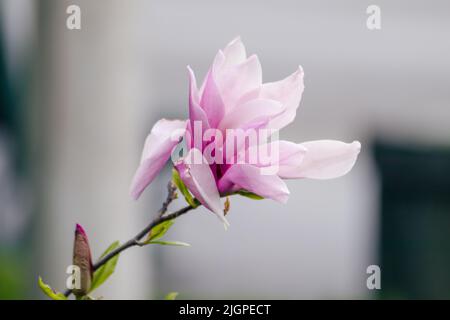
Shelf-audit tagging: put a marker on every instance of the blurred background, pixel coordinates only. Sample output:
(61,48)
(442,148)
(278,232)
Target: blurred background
(76,106)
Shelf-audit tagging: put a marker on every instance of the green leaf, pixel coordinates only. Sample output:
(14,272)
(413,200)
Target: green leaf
(50,292)
(171,296)
(249,194)
(183,189)
(106,270)
(169,243)
(159,230)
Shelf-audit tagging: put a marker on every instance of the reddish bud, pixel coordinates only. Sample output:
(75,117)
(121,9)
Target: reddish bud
(82,259)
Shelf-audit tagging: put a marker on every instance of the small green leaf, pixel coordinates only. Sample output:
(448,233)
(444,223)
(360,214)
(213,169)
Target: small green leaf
(171,296)
(169,243)
(183,189)
(249,194)
(159,230)
(50,292)
(106,270)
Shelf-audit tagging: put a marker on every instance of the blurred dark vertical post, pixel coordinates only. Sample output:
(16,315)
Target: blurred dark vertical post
(15,222)
(415,228)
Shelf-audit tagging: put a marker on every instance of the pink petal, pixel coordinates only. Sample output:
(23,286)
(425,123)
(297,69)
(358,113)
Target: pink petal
(326,159)
(199,179)
(196,113)
(282,156)
(234,52)
(235,81)
(159,144)
(248,177)
(211,101)
(291,154)
(289,93)
(252,112)
(219,61)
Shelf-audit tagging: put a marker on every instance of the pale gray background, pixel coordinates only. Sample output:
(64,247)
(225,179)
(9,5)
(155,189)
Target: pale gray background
(98,91)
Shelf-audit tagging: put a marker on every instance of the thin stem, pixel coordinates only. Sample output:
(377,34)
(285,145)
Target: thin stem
(171,195)
(135,240)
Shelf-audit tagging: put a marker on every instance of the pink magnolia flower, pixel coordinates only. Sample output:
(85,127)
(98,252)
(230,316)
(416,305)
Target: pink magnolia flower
(233,96)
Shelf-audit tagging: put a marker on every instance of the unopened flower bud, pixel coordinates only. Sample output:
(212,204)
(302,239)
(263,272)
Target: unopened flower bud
(82,259)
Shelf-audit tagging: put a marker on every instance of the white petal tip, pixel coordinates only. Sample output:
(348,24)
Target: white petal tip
(253,57)
(224,221)
(134,194)
(191,73)
(236,39)
(284,199)
(357,146)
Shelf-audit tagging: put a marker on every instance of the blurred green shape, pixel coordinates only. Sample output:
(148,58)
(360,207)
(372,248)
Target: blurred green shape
(12,282)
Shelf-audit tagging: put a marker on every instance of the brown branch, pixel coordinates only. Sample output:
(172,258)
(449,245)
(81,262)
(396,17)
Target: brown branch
(171,195)
(135,240)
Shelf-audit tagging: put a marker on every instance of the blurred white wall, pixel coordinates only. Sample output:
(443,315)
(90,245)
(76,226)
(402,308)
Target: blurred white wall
(95,85)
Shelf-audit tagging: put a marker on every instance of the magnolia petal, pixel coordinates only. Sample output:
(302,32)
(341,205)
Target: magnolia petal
(234,52)
(196,113)
(198,178)
(159,144)
(249,177)
(287,91)
(218,63)
(326,159)
(235,81)
(291,154)
(211,101)
(253,112)
(279,156)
